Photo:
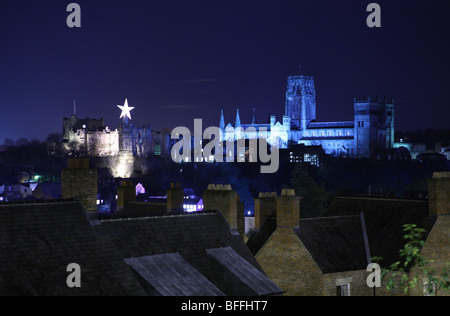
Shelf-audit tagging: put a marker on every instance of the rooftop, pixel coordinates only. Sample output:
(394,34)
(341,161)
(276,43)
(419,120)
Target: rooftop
(39,240)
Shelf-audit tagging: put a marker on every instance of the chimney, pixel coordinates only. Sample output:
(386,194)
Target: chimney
(288,209)
(175,199)
(80,182)
(240,216)
(224,199)
(125,193)
(265,206)
(439,193)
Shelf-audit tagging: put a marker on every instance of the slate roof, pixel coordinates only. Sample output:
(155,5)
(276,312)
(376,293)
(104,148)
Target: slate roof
(318,125)
(48,189)
(255,280)
(335,243)
(384,221)
(257,240)
(139,209)
(171,275)
(39,240)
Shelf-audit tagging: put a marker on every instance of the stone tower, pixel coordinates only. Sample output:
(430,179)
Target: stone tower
(301,100)
(374,125)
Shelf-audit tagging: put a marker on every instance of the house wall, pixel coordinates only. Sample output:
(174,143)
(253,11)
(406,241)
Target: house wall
(358,284)
(436,248)
(287,262)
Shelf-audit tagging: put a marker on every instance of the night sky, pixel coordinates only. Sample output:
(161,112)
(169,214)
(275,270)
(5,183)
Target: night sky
(180,60)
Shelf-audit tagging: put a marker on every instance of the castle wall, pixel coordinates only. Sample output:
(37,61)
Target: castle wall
(103,144)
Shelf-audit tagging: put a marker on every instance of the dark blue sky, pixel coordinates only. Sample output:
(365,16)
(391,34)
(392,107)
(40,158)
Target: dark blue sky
(180,60)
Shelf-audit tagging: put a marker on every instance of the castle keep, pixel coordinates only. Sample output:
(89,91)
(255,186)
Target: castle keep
(122,145)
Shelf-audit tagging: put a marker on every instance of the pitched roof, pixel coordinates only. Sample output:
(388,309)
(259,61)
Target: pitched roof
(39,240)
(171,275)
(257,240)
(384,220)
(335,243)
(256,281)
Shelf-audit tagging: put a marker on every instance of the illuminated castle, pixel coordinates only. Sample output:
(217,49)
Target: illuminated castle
(121,145)
(372,128)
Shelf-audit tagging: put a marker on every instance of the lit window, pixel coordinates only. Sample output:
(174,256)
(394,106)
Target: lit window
(343,287)
(343,290)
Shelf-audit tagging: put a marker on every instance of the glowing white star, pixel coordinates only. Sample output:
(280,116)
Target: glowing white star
(126,110)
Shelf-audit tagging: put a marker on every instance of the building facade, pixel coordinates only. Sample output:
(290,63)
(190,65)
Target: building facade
(120,146)
(98,140)
(371,129)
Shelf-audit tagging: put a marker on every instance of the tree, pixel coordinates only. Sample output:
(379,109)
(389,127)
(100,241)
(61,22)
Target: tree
(22,142)
(412,261)
(54,145)
(8,142)
(314,196)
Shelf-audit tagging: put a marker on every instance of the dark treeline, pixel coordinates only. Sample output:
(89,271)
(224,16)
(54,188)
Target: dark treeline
(45,158)
(316,185)
(429,136)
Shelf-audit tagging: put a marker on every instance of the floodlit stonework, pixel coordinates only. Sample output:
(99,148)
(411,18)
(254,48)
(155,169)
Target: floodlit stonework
(371,129)
(120,146)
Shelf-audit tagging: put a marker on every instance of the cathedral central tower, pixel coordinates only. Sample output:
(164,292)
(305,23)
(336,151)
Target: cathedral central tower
(301,101)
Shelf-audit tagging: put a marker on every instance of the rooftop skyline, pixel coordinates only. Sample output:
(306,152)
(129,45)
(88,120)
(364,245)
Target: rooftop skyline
(179,60)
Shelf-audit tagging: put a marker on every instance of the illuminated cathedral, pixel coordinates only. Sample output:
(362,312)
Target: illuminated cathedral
(371,129)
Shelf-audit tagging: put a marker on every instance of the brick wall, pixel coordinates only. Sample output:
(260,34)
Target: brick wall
(358,284)
(224,199)
(436,248)
(288,209)
(287,262)
(439,193)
